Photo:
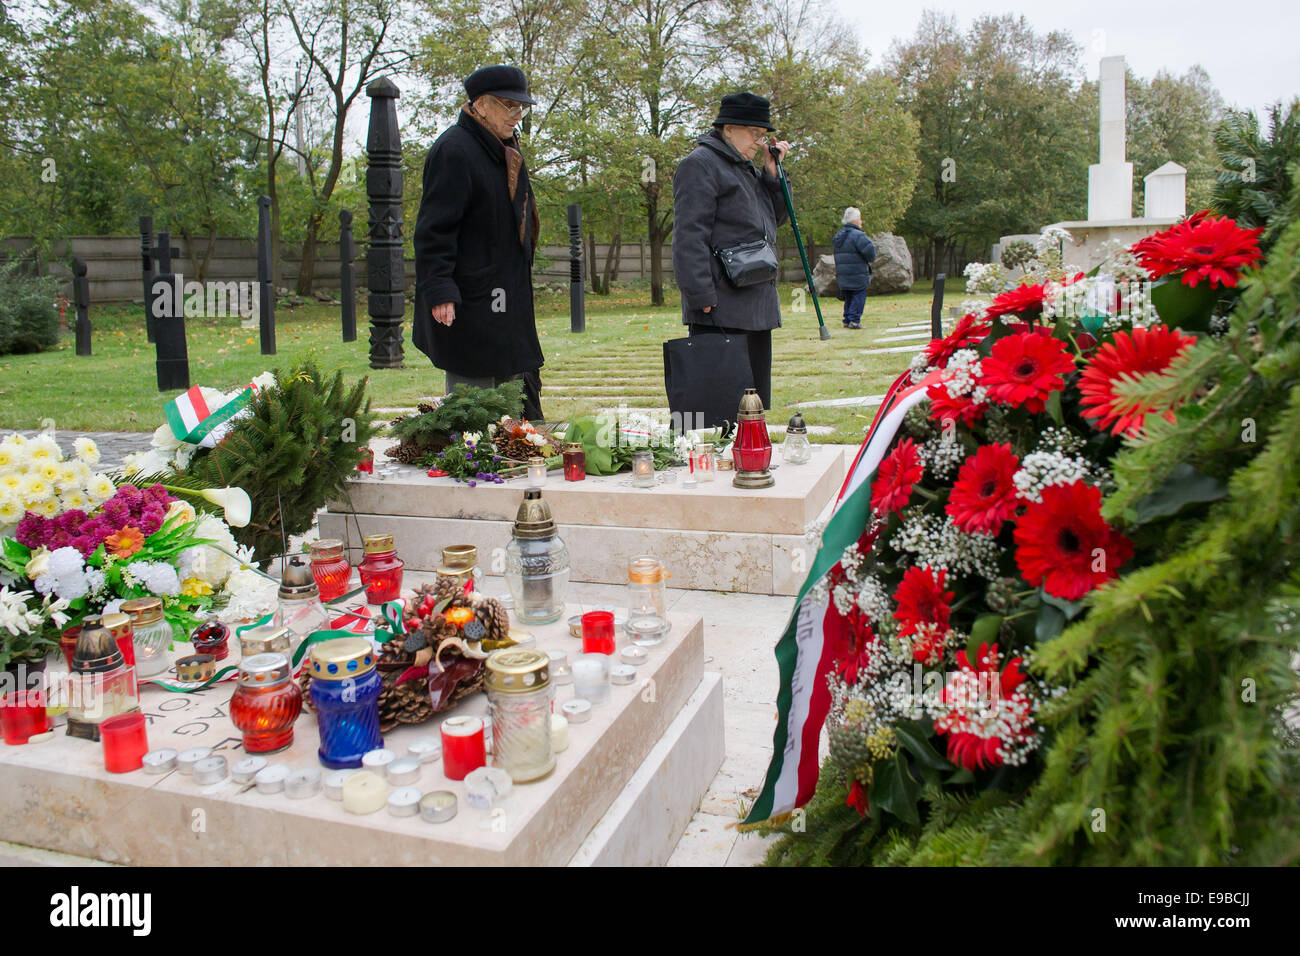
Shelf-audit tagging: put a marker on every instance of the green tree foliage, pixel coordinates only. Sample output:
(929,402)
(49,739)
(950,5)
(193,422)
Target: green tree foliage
(1173,118)
(1258,172)
(292,454)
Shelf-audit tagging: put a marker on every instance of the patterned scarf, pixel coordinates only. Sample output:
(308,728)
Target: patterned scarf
(519,186)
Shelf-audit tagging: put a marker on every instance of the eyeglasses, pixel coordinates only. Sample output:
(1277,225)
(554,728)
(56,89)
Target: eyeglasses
(511,107)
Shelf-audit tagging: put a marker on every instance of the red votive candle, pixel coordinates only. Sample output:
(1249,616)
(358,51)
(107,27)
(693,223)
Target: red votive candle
(463,746)
(212,637)
(125,742)
(22,715)
(598,632)
(367,462)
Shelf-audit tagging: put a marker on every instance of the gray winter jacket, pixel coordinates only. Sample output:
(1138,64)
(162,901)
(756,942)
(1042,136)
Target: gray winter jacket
(720,200)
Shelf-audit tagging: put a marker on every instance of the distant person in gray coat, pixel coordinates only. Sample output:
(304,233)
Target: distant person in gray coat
(720,200)
(854,253)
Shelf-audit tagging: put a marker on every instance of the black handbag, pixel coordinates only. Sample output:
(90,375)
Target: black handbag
(749,263)
(705,377)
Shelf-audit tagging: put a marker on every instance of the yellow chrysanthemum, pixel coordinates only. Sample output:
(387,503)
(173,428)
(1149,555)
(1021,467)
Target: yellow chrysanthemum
(11,511)
(75,499)
(46,507)
(6,457)
(34,487)
(43,448)
(195,587)
(100,488)
(50,470)
(17,439)
(11,484)
(87,450)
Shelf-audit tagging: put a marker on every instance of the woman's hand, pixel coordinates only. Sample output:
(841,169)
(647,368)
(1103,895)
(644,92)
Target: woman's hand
(445,314)
(768,162)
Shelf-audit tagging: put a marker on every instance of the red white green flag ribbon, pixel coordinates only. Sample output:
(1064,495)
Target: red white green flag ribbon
(192,421)
(814,634)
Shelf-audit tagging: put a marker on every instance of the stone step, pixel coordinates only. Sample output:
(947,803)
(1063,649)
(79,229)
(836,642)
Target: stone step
(890,349)
(863,400)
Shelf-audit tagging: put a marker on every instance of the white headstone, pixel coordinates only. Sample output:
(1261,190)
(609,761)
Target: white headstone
(1110,182)
(1166,192)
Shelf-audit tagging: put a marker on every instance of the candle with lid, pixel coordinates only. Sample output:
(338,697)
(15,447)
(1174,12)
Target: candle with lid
(330,568)
(575,462)
(266,702)
(381,569)
(212,637)
(119,625)
(299,607)
(267,639)
(345,695)
(537,563)
(460,561)
(519,703)
(536,473)
(752,449)
(101,684)
(151,634)
(647,621)
(795,449)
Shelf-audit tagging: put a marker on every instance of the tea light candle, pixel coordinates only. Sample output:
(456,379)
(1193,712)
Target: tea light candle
(378,760)
(643,469)
(333,784)
(438,807)
(561,674)
(245,770)
(425,750)
(271,779)
(186,759)
(636,656)
(364,792)
(302,784)
(160,761)
(536,473)
(591,678)
(404,802)
(577,711)
(211,770)
(559,733)
(404,771)
(463,748)
(575,626)
(487,786)
(622,674)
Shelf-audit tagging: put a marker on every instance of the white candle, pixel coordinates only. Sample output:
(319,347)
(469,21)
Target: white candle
(559,733)
(245,770)
(426,749)
(334,783)
(364,792)
(271,779)
(636,656)
(302,784)
(577,711)
(486,786)
(404,771)
(591,677)
(404,801)
(378,760)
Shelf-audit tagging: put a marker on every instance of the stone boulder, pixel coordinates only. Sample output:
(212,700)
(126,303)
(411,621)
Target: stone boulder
(891,272)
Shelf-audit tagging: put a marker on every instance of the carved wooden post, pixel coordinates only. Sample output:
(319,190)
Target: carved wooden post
(936,308)
(81,301)
(265,292)
(146,261)
(386,262)
(167,307)
(577,295)
(347,276)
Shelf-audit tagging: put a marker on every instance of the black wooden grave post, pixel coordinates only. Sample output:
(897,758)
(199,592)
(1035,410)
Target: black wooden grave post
(347,276)
(577,292)
(936,308)
(146,261)
(81,300)
(386,273)
(168,310)
(265,294)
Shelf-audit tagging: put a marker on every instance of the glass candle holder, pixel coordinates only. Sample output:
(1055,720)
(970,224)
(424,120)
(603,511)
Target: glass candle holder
(23,715)
(591,678)
(68,642)
(575,462)
(537,564)
(643,468)
(381,569)
(463,746)
(647,617)
(598,632)
(298,605)
(752,450)
(266,702)
(119,625)
(519,702)
(703,462)
(152,635)
(460,561)
(367,463)
(330,568)
(212,637)
(125,742)
(796,450)
(345,695)
(536,473)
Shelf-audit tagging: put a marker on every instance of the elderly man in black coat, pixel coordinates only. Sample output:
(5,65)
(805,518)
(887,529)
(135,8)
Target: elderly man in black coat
(474,242)
(719,201)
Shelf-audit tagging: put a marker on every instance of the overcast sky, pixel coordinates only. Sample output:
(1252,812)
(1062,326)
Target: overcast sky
(1251,48)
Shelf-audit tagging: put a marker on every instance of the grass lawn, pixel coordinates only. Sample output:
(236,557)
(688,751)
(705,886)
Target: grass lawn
(618,360)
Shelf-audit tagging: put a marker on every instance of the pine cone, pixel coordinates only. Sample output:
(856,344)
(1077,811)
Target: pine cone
(446,587)
(499,626)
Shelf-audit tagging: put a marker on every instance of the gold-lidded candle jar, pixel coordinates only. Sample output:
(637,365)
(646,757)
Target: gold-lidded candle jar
(267,639)
(647,618)
(519,702)
(381,569)
(330,568)
(460,561)
(152,634)
(266,702)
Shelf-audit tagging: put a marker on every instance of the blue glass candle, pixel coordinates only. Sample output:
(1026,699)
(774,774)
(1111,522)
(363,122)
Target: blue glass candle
(345,695)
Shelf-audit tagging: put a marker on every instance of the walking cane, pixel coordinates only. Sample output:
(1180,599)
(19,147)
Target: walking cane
(822,331)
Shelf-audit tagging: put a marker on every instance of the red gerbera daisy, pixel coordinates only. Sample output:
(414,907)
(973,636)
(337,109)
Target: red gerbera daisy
(1025,369)
(1204,247)
(945,408)
(895,478)
(922,599)
(984,495)
(1129,356)
(1064,544)
(984,713)
(967,331)
(1026,300)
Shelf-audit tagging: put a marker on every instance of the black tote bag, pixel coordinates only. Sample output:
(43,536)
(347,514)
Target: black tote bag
(705,377)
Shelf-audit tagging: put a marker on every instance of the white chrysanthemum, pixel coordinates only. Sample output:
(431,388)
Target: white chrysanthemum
(34,487)
(207,563)
(64,561)
(86,450)
(75,499)
(46,508)
(8,456)
(100,488)
(50,470)
(11,511)
(157,577)
(95,581)
(251,596)
(164,440)
(43,448)
(152,461)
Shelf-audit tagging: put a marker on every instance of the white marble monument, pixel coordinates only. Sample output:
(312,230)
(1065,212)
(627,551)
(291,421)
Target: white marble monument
(1110,181)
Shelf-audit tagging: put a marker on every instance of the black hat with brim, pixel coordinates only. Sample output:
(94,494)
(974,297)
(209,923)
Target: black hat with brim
(745,109)
(507,82)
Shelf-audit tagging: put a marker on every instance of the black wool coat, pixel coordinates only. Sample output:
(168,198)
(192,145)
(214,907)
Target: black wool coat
(719,200)
(469,250)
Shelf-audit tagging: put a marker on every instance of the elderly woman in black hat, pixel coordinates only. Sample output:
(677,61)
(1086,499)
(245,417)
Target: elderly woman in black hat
(475,236)
(721,204)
